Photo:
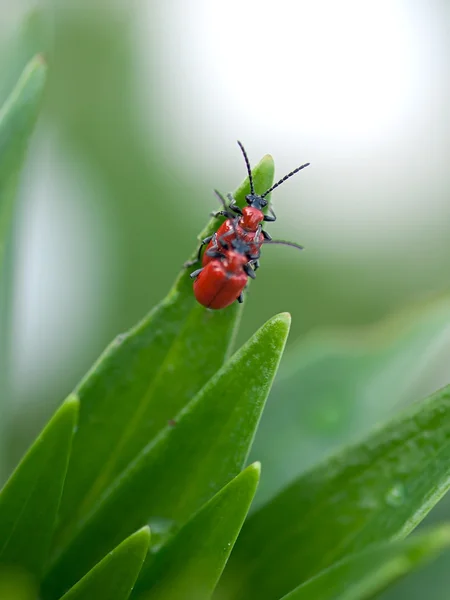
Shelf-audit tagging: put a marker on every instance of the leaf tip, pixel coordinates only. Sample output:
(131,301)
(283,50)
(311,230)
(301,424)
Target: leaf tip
(266,167)
(144,533)
(284,320)
(256,468)
(40,60)
(68,411)
(72,402)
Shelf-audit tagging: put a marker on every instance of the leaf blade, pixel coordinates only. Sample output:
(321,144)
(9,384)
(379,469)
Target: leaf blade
(114,576)
(361,576)
(353,376)
(189,469)
(192,562)
(30,498)
(370,492)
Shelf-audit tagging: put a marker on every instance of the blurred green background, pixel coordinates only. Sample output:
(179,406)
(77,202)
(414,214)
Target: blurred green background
(143,109)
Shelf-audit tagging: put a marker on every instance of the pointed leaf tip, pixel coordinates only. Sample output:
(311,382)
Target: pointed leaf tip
(115,575)
(190,565)
(144,532)
(256,467)
(72,401)
(284,317)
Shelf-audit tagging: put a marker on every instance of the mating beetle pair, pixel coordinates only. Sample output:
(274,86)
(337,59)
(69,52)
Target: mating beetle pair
(232,253)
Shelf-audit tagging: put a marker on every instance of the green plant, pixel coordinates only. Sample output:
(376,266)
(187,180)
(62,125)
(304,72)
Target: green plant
(158,434)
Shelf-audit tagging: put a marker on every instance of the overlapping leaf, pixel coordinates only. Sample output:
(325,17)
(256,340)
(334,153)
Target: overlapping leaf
(29,500)
(190,461)
(191,564)
(361,576)
(141,382)
(369,493)
(17,119)
(333,386)
(113,578)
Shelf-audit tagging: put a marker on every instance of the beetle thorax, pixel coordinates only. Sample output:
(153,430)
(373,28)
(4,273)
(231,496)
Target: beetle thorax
(251,218)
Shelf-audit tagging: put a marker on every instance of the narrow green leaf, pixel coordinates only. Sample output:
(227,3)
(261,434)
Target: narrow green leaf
(361,576)
(371,492)
(190,565)
(333,386)
(113,578)
(29,500)
(143,380)
(187,464)
(17,119)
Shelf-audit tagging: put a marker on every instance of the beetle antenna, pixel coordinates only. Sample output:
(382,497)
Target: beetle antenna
(249,171)
(283,243)
(284,179)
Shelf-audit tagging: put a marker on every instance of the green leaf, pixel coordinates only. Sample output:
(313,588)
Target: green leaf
(143,380)
(17,584)
(333,386)
(29,500)
(190,565)
(361,576)
(371,492)
(113,578)
(191,460)
(17,119)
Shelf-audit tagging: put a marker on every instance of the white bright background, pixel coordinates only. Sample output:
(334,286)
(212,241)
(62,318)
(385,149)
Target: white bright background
(359,89)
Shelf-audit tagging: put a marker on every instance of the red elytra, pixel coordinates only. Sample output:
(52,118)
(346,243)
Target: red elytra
(222,280)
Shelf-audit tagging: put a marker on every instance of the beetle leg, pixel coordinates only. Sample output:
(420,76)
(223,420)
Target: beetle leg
(272,217)
(190,263)
(196,273)
(240,298)
(214,253)
(225,235)
(233,206)
(250,272)
(256,265)
(265,235)
(220,213)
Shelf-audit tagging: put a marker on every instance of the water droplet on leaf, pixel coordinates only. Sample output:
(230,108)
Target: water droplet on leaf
(395,496)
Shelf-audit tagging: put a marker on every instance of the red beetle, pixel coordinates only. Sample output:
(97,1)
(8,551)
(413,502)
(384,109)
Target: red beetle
(245,223)
(223,279)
